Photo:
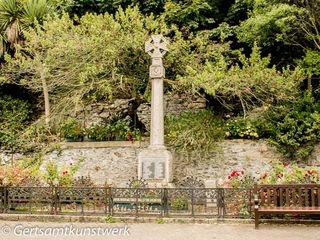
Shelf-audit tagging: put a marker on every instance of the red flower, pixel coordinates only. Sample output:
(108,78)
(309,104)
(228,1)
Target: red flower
(242,172)
(310,172)
(71,164)
(229,177)
(286,164)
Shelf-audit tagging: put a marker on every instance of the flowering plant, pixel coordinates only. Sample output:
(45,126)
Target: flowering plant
(280,173)
(239,179)
(71,129)
(240,128)
(290,173)
(13,175)
(134,135)
(60,176)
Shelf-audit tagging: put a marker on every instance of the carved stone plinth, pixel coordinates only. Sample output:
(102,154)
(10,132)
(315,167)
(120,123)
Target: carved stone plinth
(155,165)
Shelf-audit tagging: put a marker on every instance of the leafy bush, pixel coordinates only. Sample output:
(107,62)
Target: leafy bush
(118,130)
(99,133)
(294,128)
(240,128)
(194,131)
(14,116)
(71,129)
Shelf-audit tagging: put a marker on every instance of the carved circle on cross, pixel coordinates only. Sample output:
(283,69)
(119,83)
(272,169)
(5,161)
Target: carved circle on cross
(156,46)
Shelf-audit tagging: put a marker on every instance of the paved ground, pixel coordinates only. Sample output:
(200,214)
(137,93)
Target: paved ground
(154,231)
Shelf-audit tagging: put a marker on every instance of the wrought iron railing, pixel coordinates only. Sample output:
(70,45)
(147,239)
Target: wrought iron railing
(153,202)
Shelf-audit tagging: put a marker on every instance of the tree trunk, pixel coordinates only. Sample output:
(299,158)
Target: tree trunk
(46,98)
(309,85)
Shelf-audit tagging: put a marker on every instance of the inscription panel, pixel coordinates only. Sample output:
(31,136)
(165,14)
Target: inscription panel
(153,167)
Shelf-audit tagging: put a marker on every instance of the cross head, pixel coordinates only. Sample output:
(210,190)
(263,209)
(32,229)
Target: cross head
(156,46)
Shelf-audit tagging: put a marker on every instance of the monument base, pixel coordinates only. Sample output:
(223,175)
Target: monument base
(155,166)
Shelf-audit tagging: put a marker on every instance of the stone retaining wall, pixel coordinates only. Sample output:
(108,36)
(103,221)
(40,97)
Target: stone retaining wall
(135,110)
(117,163)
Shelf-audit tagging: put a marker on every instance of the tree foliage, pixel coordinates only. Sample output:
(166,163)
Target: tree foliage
(250,82)
(101,57)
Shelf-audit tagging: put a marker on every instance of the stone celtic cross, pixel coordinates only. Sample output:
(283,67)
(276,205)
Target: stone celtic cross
(155,162)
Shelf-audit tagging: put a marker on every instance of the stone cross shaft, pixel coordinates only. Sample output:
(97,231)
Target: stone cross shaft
(156,47)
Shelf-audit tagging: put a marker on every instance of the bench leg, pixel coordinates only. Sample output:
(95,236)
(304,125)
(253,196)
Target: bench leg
(256,219)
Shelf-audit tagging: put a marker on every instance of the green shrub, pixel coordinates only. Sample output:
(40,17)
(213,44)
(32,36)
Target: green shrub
(14,116)
(71,129)
(293,128)
(194,131)
(99,133)
(240,128)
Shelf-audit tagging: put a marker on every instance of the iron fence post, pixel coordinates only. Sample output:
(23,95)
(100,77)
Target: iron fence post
(136,201)
(53,201)
(164,202)
(5,199)
(82,207)
(250,202)
(192,202)
(110,201)
(106,201)
(221,202)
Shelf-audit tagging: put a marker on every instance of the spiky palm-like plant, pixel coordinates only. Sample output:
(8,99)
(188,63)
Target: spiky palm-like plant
(16,16)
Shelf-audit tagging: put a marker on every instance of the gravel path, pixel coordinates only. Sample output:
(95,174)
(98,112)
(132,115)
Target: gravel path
(153,231)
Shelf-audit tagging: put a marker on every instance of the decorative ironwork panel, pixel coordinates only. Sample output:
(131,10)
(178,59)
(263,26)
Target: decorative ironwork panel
(30,199)
(237,202)
(136,201)
(190,182)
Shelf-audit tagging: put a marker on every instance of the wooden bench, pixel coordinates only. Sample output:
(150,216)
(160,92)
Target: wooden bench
(301,199)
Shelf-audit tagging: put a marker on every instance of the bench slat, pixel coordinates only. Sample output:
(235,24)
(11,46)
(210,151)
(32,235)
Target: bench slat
(313,200)
(275,197)
(300,197)
(294,197)
(262,196)
(281,196)
(306,197)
